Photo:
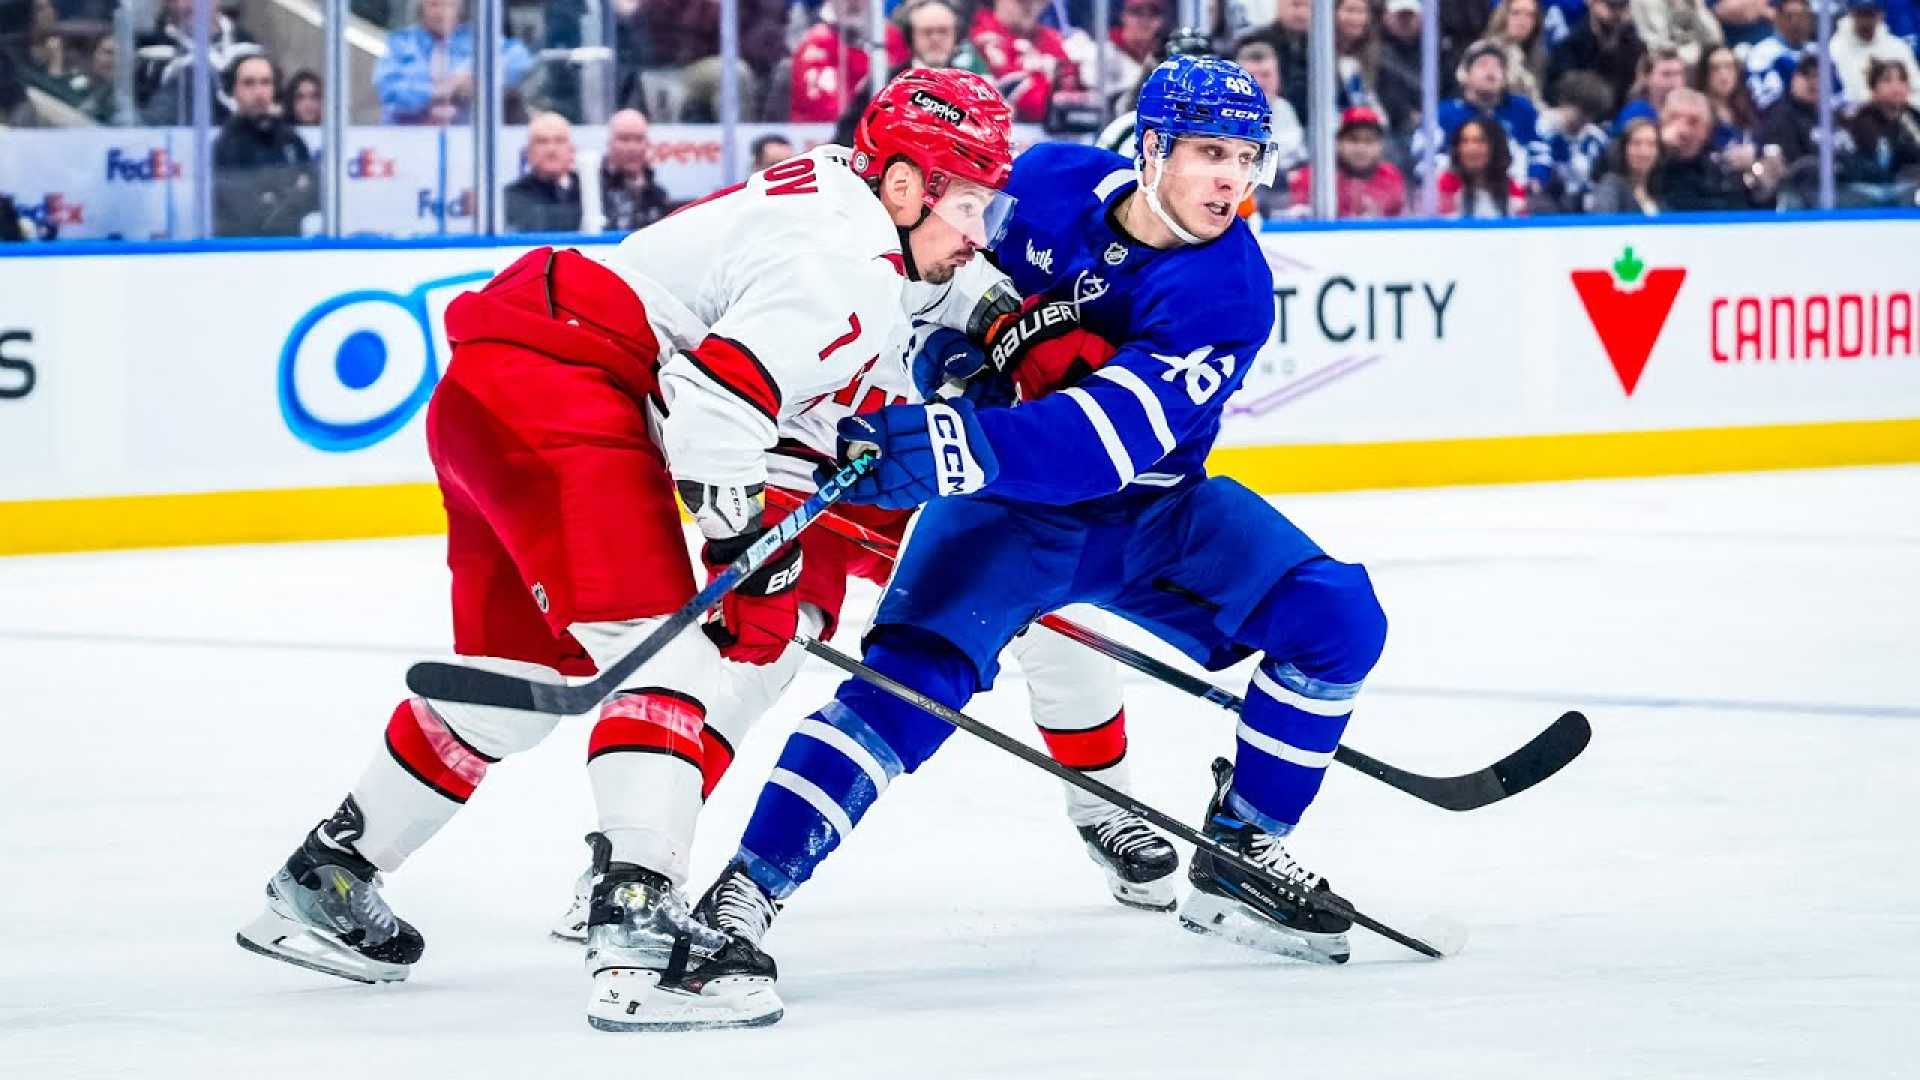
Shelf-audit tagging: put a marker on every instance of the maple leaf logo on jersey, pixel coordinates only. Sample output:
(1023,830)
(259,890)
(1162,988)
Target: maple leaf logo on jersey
(1628,305)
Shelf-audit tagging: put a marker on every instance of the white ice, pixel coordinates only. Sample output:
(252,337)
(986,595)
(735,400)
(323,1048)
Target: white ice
(1725,885)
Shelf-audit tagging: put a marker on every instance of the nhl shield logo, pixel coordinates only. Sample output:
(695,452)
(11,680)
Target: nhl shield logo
(1116,253)
(540,597)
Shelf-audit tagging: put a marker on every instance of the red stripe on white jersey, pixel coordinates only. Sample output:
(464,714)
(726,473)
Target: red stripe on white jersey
(734,367)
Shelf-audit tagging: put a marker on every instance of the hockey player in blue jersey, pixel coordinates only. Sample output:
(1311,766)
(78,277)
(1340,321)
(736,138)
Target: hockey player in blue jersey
(1097,493)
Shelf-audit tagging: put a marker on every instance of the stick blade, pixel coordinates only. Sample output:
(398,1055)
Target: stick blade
(473,686)
(1548,752)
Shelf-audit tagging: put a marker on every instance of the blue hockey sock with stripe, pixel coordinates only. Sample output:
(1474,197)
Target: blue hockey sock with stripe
(1322,631)
(840,759)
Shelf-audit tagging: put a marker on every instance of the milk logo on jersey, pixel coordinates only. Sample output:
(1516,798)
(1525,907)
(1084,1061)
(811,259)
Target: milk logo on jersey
(1628,305)
(1041,259)
(356,367)
(940,107)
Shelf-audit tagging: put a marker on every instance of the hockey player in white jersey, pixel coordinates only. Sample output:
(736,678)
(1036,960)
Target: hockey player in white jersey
(581,395)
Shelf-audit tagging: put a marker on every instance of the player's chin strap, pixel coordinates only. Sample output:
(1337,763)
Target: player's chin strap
(1152,192)
(906,245)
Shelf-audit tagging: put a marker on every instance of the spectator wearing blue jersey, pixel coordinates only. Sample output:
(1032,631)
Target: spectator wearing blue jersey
(427,75)
(1483,92)
(1576,141)
(1662,71)
(1771,61)
(1559,19)
(1606,44)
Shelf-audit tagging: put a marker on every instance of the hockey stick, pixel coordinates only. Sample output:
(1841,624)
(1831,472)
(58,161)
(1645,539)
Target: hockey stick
(1543,755)
(1329,902)
(455,682)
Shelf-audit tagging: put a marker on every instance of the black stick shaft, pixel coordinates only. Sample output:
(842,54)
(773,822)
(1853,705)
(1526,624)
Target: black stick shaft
(456,682)
(1545,754)
(1328,902)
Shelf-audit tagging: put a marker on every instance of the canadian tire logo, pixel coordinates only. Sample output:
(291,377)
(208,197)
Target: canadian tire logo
(1628,304)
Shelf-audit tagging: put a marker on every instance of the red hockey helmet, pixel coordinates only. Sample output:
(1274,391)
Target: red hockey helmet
(958,131)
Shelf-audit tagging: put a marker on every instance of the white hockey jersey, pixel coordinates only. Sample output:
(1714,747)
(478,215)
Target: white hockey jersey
(808,437)
(769,299)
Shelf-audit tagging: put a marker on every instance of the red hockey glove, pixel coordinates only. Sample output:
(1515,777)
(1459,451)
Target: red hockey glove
(757,620)
(1044,348)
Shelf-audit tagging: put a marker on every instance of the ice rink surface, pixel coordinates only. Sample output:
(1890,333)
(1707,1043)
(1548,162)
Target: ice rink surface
(1727,884)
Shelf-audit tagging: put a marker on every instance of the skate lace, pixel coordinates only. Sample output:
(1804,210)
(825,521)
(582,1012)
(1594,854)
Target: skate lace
(369,909)
(741,909)
(1123,834)
(1267,852)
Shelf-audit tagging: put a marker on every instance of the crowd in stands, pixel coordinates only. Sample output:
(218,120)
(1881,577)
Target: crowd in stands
(1546,106)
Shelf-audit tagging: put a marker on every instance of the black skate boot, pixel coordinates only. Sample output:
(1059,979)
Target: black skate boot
(655,967)
(1139,862)
(736,906)
(325,912)
(1247,911)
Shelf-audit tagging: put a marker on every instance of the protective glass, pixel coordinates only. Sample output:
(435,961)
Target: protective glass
(978,212)
(1246,163)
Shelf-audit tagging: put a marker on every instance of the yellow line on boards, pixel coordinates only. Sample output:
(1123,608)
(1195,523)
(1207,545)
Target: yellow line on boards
(343,513)
(1519,459)
(220,517)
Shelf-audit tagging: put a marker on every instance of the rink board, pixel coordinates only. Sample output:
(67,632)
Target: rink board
(250,393)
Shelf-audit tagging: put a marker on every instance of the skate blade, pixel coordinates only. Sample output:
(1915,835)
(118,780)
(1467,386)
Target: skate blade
(626,999)
(291,942)
(1215,916)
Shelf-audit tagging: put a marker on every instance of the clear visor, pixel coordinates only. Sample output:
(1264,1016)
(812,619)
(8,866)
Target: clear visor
(1244,163)
(976,211)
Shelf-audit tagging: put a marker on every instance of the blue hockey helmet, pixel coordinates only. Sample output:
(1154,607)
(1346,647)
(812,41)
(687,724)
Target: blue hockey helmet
(1205,96)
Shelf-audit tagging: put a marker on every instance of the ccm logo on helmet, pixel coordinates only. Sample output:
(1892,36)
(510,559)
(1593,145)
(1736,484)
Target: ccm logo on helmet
(945,110)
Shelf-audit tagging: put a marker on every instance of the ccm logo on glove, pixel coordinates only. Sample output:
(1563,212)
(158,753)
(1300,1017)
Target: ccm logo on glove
(959,472)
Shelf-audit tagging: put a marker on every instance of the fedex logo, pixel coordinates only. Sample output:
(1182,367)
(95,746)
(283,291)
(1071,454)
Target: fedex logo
(155,164)
(426,206)
(54,210)
(367,165)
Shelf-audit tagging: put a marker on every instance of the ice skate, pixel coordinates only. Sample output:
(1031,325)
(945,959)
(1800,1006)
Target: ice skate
(1229,903)
(657,968)
(1138,862)
(324,910)
(736,906)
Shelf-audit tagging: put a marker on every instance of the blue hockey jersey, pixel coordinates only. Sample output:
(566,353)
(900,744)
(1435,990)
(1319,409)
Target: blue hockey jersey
(1187,322)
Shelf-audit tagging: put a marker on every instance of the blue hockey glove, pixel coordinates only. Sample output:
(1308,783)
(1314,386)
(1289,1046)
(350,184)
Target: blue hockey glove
(926,451)
(945,356)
